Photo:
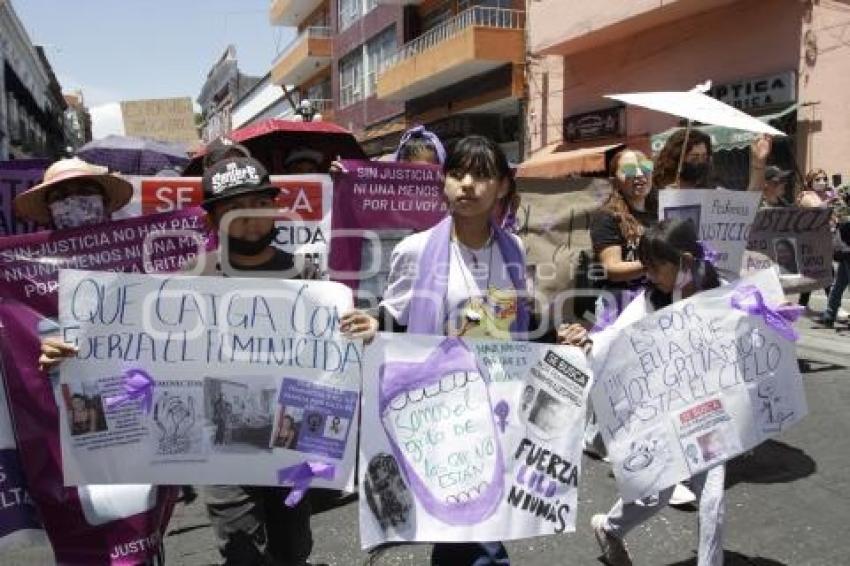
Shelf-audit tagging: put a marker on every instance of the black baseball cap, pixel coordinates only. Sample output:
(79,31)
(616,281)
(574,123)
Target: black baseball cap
(234,177)
(774,173)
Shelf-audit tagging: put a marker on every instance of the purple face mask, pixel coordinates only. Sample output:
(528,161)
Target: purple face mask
(438,418)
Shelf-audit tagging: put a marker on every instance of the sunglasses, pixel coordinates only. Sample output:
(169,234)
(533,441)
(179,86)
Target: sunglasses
(824,179)
(630,170)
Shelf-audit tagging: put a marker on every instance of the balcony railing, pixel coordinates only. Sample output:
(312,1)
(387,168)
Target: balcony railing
(313,32)
(477,16)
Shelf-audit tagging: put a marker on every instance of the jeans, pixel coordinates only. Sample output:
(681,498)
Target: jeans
(708,487)
(255,528)
(842,278)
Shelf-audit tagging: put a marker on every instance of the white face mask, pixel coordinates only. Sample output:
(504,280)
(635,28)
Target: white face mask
(77,210)
(820,186)
(683,279)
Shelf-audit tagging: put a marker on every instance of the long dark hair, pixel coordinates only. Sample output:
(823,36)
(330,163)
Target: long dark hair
(667,162)
(666,242)
(483,159)
(617,206)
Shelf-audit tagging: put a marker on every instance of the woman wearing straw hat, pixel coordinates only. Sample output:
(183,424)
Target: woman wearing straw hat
(73,194)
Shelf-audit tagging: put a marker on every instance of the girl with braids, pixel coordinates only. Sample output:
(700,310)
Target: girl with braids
(676,269)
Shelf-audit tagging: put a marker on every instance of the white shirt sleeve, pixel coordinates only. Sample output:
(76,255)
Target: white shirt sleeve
(404,262)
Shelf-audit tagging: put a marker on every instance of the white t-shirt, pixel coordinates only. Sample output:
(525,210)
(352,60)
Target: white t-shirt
(480,297)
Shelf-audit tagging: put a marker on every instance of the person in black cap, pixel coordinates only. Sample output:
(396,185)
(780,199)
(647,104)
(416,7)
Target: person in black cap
(775,181)
(252,523)
(223,148)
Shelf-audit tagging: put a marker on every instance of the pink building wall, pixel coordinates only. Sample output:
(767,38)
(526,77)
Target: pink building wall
(641,46)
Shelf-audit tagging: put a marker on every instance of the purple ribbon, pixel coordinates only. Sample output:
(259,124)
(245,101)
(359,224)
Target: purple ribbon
(502,409)
(138,385)
(300,476)
(709,254)
(748,298)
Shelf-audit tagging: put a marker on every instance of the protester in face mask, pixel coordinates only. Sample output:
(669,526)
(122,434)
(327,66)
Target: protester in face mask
(73,194)
(676,269)
(697,170)
(817,192)
(252,523)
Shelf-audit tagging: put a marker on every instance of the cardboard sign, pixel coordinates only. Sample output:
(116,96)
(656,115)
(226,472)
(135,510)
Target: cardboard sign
(795,241)
(467,440)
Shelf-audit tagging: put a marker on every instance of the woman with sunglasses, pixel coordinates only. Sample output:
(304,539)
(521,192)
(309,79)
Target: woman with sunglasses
(616,229)
(816,194)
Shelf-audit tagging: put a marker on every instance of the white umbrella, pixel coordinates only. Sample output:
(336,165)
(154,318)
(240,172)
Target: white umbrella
(696,106)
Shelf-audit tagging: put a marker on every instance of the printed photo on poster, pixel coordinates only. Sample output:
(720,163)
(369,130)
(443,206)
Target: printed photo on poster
(387,494)
(176,415)
(689,213)
(312,418)
(787,255)
(84,405)
(239,415)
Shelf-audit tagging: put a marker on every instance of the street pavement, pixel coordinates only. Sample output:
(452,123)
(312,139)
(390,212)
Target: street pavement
(787,503)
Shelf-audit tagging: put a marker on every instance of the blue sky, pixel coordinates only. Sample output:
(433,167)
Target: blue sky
(131,49)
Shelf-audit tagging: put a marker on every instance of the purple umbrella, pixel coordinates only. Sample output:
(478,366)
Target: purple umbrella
(134,156)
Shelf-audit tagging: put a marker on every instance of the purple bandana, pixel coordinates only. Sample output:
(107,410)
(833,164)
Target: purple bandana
(421,132)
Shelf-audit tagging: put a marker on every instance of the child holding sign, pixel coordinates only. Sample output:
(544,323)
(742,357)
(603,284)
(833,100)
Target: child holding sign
(676,269)
(464,277)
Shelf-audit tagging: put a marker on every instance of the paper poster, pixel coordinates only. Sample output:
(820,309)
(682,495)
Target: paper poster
(467,440)
(30,263)
(389,200)
(795,241)
(695,384)
(235,380)
(306,202)
(723,220)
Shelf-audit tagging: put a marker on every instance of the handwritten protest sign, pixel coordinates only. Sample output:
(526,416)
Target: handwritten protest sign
(695,384)
(205,380)
(722,218)
(797,241)
(30,263)
(390,199)
(467,440)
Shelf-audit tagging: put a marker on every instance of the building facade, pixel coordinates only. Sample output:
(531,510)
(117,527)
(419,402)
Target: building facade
(78,130)
(787,64)
(265,100)
(31,103)
(456,66)
(224,85)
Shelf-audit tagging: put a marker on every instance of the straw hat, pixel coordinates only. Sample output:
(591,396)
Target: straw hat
(32,204)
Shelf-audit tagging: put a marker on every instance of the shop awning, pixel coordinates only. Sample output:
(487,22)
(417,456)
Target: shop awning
(723,138)
(563,163)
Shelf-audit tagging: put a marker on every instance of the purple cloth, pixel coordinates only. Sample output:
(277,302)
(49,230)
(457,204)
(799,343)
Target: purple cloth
(425,315)
(300,476)
(421,132)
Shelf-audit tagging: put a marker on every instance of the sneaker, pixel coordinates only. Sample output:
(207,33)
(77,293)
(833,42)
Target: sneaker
(842,315)
(825,322)
(614,551)
(682,496)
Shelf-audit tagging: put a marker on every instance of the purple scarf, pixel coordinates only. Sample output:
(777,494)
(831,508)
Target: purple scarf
(425,315)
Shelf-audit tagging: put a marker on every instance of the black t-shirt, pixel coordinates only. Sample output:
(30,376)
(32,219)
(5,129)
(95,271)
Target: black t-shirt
(605,232)
(281,264)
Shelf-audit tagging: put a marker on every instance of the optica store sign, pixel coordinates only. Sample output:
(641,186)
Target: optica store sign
(761,92)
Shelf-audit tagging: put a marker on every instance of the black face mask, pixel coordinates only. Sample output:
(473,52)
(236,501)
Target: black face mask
(248,247)
(694,173)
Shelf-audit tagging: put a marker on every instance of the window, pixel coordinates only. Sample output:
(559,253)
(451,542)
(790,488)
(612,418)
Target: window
(379,50)
(351,78)
(349,12)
